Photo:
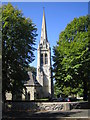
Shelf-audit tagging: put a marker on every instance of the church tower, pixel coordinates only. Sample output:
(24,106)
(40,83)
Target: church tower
(44,76)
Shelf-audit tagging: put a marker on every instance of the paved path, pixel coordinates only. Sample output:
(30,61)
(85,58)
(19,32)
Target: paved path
(77,113)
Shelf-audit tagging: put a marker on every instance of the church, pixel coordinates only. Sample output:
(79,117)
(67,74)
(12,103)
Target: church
(41,86)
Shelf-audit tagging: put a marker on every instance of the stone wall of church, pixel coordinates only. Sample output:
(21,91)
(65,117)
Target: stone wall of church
(29,93)
(8,96)
(42,92)
(44,63)
(44,72)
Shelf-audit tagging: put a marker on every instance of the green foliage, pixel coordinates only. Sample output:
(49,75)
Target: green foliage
(0,32)
(57,91)
(32,69)
(72,57)
(18,40)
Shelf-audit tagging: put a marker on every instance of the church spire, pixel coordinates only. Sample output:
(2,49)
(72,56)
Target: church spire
(43,30)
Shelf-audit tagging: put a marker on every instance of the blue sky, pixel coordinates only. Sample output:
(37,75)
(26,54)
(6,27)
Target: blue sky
(58,15)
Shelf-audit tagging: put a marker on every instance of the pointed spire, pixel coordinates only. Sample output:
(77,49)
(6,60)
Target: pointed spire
(43,31)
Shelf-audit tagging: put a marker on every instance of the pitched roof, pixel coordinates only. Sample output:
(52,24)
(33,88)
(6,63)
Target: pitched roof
(32,80)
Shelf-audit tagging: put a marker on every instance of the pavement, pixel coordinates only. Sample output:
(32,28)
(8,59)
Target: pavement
(75,114)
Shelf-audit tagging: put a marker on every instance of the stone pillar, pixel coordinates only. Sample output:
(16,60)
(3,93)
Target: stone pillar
(30,90)
(38,64)
(49,72)
(67,106)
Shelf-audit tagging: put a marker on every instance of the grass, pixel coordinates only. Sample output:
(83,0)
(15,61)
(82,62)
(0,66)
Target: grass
(45,99)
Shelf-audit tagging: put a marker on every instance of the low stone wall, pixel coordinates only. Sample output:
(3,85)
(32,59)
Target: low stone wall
(79,105)
(43,106)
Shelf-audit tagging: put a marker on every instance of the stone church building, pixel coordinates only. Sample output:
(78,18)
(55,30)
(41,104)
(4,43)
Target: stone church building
(40,86)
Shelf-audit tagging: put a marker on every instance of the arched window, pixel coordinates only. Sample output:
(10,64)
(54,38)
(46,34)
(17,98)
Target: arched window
(41,59)
(46,59)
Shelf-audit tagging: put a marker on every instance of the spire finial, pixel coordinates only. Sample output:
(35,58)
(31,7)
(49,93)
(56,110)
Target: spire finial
(43,8)
(44,11)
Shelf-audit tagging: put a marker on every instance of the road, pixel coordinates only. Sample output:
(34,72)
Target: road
(75,113)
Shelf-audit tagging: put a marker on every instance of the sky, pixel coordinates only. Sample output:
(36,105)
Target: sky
(58,15)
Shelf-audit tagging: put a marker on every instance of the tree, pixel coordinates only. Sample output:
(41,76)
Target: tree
(18,40)
(72,58)
(32,69)
(0,50)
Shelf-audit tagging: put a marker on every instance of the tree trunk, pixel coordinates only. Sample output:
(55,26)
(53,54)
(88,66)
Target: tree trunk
(89,93)
(89,101)
(85,93)
(3,101)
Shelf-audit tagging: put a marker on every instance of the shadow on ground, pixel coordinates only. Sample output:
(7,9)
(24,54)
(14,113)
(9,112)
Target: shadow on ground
(28,115)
